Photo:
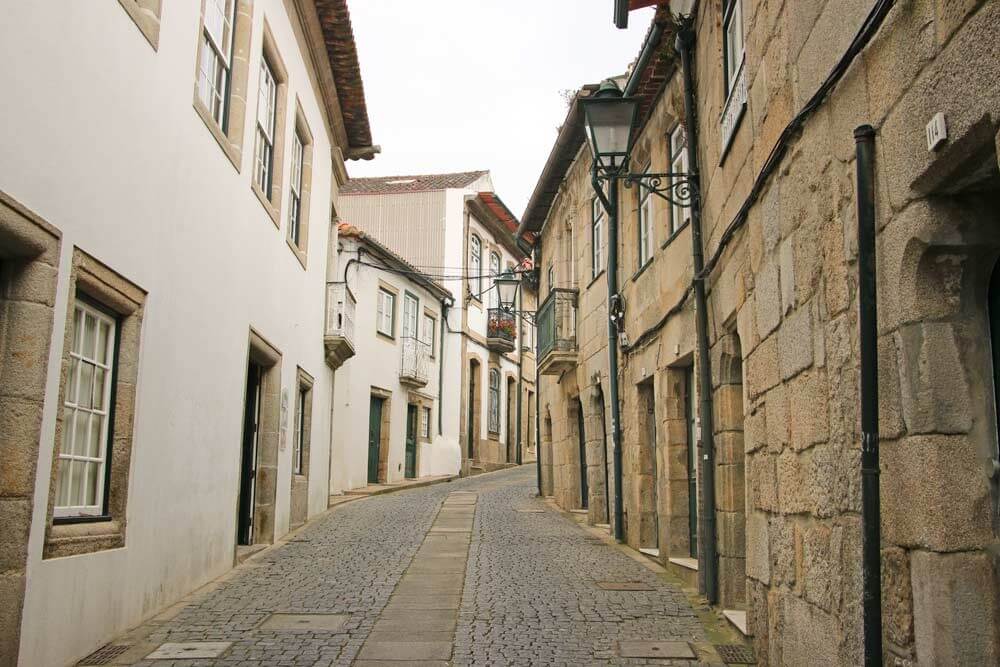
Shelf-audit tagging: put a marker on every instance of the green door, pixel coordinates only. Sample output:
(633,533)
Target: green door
(374,437)
(411,441)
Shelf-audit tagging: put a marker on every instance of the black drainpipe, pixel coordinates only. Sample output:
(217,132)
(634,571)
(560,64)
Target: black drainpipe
(445,306)
(707,538)
(520,369)
(610,203)
(864,137)
(538,385)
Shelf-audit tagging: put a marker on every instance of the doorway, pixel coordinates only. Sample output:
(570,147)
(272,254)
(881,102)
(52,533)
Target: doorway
(692,462)
(472,436)
(410,463)
(582,444)
(511,426)
(648,526)
(374,437)
(248,459)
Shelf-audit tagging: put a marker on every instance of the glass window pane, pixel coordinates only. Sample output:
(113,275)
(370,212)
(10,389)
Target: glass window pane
(86,384)
(70,396)
(76,472)
(94,440)
(102,342)
(100,389)
(89,336)
(81,444)
(77,330)
(62,484)
(90,489)
(67,431)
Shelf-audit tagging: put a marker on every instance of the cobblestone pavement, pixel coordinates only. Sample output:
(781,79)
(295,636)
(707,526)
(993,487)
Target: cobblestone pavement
(529,595)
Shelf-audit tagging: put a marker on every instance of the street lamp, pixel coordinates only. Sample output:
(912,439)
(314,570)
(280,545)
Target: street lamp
(507,284)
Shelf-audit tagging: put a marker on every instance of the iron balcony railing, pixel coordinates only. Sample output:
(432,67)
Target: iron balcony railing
(415,360)
(557,322)
(340,307)
(501,324)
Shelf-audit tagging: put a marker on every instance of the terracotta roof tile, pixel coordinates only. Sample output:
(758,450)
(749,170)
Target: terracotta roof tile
(335,19)
(402,184)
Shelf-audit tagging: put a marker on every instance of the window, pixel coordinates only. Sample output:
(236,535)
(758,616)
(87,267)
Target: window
(267,102)
(645,223)
(410,308)
(86,435)
(295,188)
(428,332)
(494,401)
(598,239)
(494,300)
(215,61)
(425,423)
(732,34)
(679,215)
(476,266)
(298,450)
(385,317)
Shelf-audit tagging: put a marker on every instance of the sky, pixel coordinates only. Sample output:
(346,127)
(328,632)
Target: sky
(461,85)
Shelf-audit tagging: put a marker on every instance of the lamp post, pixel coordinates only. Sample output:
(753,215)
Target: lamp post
(611,121)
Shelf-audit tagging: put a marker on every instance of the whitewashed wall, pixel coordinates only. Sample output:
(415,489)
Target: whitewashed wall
(103,142)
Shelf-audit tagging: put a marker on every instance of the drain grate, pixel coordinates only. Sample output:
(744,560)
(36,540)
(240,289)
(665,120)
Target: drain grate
(104,655)
(736,654)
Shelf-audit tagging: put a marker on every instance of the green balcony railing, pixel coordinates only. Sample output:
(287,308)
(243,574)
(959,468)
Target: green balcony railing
(557,322)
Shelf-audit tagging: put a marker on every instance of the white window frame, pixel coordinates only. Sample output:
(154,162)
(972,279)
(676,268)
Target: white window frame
(385,316)
(476,265)
(493,421)
(645,226)
(679,215)
(73,407)
(732,42)
(411,315)
(428,331)
(597,237)
(295,188)
(494,299)
(215,59)
(267,107)
(298,451)
(425,422)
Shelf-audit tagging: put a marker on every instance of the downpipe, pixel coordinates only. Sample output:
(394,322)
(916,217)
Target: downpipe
(871,560)
(538,390)
(707,535)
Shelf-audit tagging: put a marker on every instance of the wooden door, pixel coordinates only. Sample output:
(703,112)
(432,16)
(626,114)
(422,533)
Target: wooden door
(374,437)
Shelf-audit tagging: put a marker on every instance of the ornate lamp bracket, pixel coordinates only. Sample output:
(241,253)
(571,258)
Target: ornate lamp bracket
(676,188)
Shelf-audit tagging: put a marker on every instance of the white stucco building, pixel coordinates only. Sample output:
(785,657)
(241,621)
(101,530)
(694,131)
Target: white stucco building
(388,406)
(166,185)
(453,226)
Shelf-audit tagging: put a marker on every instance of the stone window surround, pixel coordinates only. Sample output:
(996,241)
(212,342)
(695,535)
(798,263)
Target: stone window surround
(93,279)
(301,128)
(146,14)
(299,510)
(422,401)
(267,356)
(433,343)
(29,269)
(382,285)
(230,141)
(272,201)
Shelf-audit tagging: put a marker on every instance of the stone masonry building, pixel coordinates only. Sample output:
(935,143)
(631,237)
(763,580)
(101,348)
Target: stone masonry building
(781,248)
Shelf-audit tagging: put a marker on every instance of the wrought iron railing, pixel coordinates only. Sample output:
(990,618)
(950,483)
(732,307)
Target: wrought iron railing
(501,324)
(340,307)
(415,359)
(556,322)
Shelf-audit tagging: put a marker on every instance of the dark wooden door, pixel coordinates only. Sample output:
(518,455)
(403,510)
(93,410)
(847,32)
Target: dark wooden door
(248,458)
(411,441)
(584,488)
(374,437)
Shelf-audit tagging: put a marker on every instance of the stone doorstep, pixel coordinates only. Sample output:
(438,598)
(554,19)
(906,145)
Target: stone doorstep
(738,618)
(686,563)
(650,551)
(406,651)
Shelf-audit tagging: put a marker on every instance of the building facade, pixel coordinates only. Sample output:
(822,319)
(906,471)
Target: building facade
(166,401)
(454,227)
(779,92)
(388,407)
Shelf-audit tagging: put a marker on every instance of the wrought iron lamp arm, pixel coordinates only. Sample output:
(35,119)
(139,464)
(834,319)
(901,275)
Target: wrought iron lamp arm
(675,187)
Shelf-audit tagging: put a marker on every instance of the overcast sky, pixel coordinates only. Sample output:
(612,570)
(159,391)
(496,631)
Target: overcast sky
(460,85)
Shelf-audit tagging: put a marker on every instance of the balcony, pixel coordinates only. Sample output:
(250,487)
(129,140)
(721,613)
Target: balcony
(501,330)
(556,319)
(415,362)
(338,338)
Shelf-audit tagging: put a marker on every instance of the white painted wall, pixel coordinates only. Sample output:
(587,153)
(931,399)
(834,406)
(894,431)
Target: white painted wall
(101,139)
(376,363)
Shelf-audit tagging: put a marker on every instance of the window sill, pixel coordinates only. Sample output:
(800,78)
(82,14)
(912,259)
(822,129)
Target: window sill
(77,538)
(670,239)
(595,278)
(493,435)
(386,337)
(232,152)
(299,253)
(642,269)
(271,208)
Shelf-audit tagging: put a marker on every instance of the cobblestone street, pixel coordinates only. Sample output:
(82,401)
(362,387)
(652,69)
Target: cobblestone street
(380,580)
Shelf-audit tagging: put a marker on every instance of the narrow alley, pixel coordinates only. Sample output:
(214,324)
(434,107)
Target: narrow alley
(380,582)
